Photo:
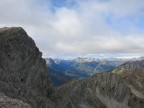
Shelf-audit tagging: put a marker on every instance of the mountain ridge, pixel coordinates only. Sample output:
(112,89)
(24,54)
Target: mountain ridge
(108,90)
(24,78)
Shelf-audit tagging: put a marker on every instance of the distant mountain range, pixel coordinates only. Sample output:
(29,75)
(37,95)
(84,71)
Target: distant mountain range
(61,70)
(121,88)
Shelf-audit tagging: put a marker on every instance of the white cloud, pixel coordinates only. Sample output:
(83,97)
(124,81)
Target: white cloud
(67,22)
(81,29)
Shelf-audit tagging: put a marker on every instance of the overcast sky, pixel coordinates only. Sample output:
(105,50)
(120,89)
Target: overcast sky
(79,27)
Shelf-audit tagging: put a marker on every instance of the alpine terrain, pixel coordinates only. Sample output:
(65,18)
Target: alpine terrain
(25,79)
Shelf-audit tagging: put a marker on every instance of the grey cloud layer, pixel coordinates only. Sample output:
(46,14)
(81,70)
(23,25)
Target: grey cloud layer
(78,30)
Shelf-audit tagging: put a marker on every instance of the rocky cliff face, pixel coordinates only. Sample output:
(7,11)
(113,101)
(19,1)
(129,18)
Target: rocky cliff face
(23,73)
(123,88)
(7,102)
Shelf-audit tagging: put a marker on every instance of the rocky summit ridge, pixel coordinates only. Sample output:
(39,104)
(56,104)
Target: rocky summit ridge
(24,81)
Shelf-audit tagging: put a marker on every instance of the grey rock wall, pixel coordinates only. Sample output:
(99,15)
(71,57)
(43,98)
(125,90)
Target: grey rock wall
(23,72)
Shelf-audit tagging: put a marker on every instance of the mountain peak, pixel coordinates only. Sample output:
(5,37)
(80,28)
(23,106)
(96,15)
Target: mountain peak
(11,29)
(129,66)
(23,71)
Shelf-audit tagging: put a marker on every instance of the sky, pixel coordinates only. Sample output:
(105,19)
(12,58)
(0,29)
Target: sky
(63,28)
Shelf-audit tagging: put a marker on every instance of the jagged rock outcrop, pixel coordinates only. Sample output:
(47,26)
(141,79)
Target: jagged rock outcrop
(123,88)
(7,102)
(23,73)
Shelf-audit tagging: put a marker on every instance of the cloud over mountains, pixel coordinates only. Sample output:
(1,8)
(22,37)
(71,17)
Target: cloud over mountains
(79,26)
